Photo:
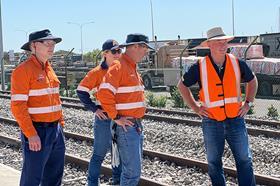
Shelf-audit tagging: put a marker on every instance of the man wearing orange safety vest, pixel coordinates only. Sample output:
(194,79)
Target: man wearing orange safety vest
(36,105)
(219,76)
(122,96)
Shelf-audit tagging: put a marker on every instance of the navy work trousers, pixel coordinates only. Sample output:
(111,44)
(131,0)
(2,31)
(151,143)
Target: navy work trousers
(44,167)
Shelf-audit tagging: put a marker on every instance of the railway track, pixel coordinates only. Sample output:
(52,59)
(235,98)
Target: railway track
(192,122)
(76,104)
(81,162)
(261,179)
(75,100)
(73,175)
(174,120)
(149,109)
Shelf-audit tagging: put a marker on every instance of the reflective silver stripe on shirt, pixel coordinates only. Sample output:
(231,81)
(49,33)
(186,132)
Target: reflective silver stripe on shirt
(19,97)
(44,110)
(125,106)
(82,88)
(44,91)
(130,89)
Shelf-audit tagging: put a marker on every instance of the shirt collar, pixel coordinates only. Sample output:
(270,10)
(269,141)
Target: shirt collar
(214,64)
(38,63)
(129,60)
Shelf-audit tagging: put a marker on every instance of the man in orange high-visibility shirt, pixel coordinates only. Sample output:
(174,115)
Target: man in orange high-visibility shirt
(219,76)
(122,96)
(36,105)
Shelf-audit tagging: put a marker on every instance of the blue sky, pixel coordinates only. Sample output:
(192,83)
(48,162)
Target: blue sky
(116,19)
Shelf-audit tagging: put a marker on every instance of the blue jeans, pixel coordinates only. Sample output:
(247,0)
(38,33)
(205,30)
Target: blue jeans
(234,131)
(44,167)
(130,146)
(102,144)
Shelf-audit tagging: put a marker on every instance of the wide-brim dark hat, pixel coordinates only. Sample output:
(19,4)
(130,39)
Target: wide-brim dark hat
(40,36)
(133,39)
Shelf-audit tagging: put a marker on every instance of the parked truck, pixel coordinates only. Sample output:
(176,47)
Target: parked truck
(163,67)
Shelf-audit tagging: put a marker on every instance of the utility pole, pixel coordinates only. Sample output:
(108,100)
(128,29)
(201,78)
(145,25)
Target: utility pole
(2,53)
(232,6)
(152,17)
(279,21)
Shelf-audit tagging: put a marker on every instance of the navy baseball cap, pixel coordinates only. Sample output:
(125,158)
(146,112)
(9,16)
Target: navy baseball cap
(40,36)
(110,44)
(136,39)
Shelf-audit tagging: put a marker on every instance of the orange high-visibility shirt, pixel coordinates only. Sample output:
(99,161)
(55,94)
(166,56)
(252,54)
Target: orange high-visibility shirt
(93,79)
(222,98)
(35,95)
(122,91)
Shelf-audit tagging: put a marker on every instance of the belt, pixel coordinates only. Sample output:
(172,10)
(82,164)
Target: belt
(137,125)
(134,120)
(45,124)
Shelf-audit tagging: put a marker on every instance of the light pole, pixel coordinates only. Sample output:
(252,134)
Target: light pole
(152,17)
(2,53)
(279,20)
(232,7)
(81,30)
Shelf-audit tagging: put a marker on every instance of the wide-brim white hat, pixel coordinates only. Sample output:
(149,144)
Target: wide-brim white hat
(216,33)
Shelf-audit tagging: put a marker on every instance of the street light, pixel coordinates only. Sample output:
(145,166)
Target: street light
(2,53)
(279,20)
(81,30)
(152,17)
(232,7)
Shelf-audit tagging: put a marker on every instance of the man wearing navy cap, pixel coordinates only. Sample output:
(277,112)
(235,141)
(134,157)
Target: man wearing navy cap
(102,133)
(122,96)
(36,105)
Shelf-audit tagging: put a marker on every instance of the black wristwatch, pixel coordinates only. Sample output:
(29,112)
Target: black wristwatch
(250,104)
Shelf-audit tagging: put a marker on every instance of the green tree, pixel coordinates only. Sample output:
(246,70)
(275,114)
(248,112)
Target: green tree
(96,55)
(92,56)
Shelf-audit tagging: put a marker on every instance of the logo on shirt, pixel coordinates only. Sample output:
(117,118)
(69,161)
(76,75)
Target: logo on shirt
(41,78)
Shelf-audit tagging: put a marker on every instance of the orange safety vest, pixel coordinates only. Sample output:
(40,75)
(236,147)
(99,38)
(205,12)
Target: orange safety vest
(122,90)
(35,95)
(221,98)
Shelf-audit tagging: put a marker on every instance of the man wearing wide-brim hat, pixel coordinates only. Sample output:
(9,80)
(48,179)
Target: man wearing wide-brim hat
(122,96)
(36,105)
(216,33)
(219,76)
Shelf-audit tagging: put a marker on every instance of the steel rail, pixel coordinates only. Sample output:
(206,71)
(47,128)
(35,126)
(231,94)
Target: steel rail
(256,122)
(190,122)
(82,162)
(261,179)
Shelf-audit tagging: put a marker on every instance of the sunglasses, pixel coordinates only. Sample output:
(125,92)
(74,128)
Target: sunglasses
(116,51)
